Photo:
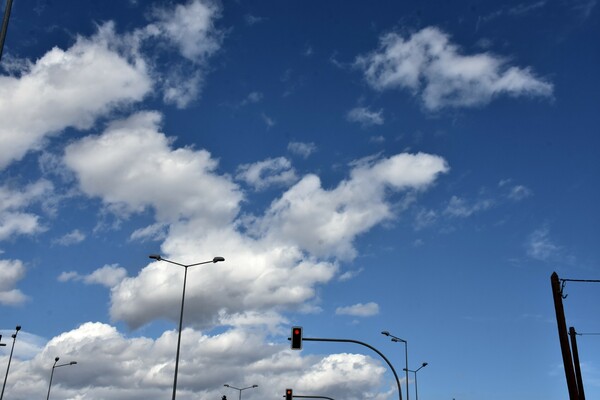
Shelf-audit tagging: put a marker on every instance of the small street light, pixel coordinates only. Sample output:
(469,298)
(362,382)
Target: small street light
(397,339)
(157,257)
(240,390)
(415,372)
(52,373)
(14,336)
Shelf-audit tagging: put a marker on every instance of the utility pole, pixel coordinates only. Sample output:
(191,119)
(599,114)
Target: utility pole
(563,338)
(573,335)
(7,9)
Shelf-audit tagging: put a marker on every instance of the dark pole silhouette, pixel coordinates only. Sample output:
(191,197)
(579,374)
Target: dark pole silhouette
(563,338)
(7,9)
(397,339)
(580,390)
(311,397)
(363,344)
(52,373)
(415,372)
(14,336)
(240,390)
(157,257)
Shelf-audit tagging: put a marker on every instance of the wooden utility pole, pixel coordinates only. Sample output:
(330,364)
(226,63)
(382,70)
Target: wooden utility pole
(573,335)
(564,339)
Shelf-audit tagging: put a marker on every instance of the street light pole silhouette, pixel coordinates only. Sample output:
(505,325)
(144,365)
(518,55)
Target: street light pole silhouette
(415,371)
(157,257)
(397,339)
(14,336)
(240,390)
(52,373)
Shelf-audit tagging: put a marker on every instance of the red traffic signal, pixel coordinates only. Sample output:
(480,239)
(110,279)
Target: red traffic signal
(289,393)
(296,337)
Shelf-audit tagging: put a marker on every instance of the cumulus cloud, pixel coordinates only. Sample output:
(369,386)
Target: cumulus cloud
(359,310)
(432,68)
(69,88)
(11,271)
(325,222)
(108,276)
(113,366)
(262,174)
(154,173)
(365,117)
(13,219)
(302,149)
(153,232)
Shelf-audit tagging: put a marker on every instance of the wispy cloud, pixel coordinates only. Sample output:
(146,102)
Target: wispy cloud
(73,237)
(262,174)
(459,207)
(365,117)
(108,276)
(302,149)
(540,246)
(359,310)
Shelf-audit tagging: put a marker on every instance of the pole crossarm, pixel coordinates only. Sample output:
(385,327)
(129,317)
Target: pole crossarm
(312,397)
(363,344)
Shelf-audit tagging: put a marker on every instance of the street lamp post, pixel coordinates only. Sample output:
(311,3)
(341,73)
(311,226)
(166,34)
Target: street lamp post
(415,371)
(14,336)
(240,390)
(397,339)
(52,373)
(157,257)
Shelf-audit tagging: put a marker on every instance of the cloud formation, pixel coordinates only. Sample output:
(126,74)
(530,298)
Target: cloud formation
(359,310)
(432,68)
(11,272)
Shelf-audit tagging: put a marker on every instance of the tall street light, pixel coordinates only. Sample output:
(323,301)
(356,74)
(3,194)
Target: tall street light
(14,336)
(157,257)
(52,373)
(415,371)
(397,339)
(240,390)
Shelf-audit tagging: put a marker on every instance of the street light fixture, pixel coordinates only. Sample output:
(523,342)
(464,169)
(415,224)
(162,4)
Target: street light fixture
(415,371)
(240,390)
(14,336)
(157,257)
(397,339)
(52,373)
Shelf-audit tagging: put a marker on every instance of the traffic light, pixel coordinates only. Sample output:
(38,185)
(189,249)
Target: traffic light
(296,337)
(288,393)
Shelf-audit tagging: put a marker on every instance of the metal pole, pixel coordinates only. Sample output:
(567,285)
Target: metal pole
(573,335)
(366,345)
(51,375)
(7,9)
(406,354)
(563,338)
(416,387)
(179,335)
(14,336)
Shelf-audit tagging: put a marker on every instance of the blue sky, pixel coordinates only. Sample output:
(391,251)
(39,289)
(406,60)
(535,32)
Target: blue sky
(416,167)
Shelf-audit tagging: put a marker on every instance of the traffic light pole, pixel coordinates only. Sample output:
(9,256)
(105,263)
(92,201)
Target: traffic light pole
(573,335)
(363,344)
(312,397)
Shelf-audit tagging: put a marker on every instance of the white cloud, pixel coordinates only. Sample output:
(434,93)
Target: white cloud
(191,27)
(365,117)
(67,89)
(262,174)
(253,97)
(346,276)
(11,271)
(112,366)
(519,192)
(73,237)
(424,218)
(13,221)
(151,232)
(325,222)
(540,247)
(359,310)
(432,68)
(135,145)
(108,276)
(270,122)
(302,149)
(458,207)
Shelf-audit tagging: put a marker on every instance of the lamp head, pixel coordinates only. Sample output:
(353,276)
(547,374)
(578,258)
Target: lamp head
(56,359)
(254,386)
(386,333)
(18,328)
(217,259)
(226,385)
(156,257)
(425,364)
(73,363)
